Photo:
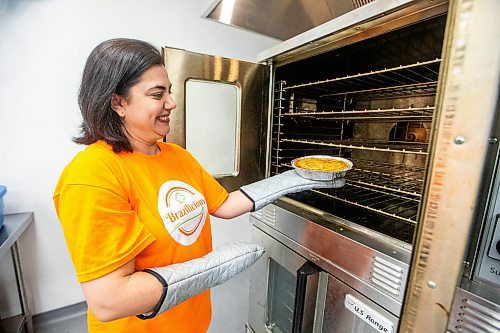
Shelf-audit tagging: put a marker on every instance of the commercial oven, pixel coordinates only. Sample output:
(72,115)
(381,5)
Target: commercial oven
(476,306)
(407,90)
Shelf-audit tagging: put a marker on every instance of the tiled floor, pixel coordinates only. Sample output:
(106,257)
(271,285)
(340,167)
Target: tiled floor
(72,319)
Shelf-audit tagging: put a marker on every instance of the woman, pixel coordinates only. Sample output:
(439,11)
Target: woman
(131,206)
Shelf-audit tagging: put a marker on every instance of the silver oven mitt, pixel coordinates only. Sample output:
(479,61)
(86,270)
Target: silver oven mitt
(270,189)
(184,280)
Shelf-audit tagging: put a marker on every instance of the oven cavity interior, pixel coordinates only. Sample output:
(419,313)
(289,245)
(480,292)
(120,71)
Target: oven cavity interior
(372,102)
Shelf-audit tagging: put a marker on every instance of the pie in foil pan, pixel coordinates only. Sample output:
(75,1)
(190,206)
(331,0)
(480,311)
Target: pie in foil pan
(321,167)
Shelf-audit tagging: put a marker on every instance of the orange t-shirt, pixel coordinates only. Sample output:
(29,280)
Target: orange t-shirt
(116,207)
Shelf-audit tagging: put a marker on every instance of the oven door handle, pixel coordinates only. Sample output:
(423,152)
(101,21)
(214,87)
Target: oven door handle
(303,273)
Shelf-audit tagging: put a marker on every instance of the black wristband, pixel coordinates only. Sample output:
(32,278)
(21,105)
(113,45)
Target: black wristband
(162,298)
(249,198)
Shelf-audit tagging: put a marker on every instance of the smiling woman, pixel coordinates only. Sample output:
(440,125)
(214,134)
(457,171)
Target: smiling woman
(145,110)
(136,211)
(98,90)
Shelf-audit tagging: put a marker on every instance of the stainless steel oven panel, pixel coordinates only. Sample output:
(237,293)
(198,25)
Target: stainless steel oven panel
(377,275)
(346,310)
(272,289)
(253,82)
(471,313)
(487,271)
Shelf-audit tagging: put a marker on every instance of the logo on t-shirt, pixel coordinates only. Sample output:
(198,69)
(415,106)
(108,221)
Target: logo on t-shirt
(183,210)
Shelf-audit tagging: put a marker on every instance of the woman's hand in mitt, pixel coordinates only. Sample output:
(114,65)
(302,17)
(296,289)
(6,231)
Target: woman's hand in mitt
(270,189)
(184,280)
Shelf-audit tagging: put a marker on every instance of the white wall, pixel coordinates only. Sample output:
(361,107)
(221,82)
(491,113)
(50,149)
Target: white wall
(43,47)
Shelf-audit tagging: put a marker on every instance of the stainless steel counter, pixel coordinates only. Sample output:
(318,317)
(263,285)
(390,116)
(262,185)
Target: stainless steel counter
(14,226)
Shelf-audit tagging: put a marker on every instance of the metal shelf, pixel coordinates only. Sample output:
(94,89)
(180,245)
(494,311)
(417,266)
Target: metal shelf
(394,114)
(387,199)
(402,76)
(381,176)
(406,90)
(403,179)
(310,112)
(13,324)
(371,145)
(385,203)
(13,228)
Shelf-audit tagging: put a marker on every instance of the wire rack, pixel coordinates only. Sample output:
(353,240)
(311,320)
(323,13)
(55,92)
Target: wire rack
(321,118)
(384,188)
(399,207)
(420,76)
(404,179)
(419,148)
(407,90)
(392,114)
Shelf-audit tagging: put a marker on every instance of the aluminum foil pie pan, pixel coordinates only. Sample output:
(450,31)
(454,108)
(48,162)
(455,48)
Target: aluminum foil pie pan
(321,175)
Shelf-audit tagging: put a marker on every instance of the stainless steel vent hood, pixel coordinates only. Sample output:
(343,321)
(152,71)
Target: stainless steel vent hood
(281,19)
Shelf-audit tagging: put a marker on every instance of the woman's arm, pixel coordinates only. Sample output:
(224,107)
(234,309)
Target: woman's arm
(256,195)
(236,204)
(122,293)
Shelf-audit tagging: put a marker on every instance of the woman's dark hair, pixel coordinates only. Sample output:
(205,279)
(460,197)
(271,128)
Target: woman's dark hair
(113,67)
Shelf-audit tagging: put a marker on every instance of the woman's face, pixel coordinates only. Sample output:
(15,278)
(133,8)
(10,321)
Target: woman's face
(145,112)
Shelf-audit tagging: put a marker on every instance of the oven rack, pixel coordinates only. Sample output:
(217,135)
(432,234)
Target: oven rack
(380,176)
(401,76)
(406,91)
(412,171)
(403,147)
(400,178)
(398,182)
(387,204)
(392,114)
(382,166)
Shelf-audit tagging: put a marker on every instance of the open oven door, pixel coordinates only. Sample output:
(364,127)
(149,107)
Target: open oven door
(222,113)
